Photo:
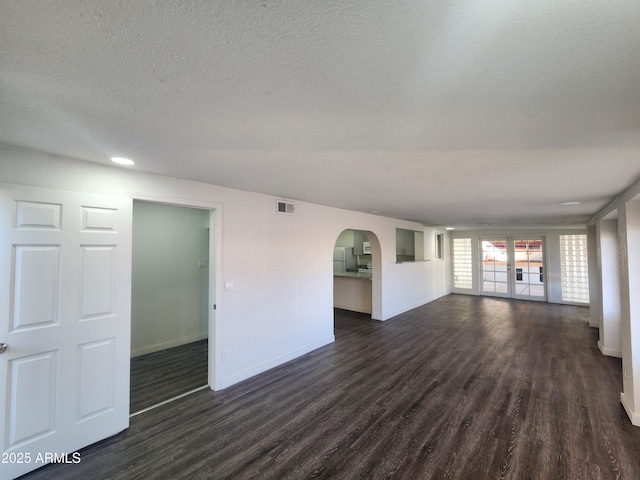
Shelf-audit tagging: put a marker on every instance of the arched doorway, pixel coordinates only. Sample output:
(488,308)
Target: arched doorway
(357,273)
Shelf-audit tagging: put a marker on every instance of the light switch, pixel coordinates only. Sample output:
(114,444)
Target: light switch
(228,286)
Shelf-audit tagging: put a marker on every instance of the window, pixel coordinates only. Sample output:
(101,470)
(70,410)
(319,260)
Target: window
(439,240)
(574,268)
(462,263)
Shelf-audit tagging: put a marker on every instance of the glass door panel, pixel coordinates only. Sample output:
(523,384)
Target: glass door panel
(529,268)
(495,275)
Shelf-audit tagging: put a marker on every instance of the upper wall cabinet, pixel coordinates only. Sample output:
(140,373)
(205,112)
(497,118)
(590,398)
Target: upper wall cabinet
(409,245)
(358,240)
(405,242)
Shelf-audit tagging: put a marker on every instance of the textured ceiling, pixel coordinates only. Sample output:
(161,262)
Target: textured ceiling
(441,111)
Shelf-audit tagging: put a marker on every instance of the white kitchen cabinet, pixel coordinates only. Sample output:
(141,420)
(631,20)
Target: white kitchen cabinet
(358,240)
(405,242)
(409,245)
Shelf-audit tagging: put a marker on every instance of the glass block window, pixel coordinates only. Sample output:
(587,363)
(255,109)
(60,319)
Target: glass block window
(462,264)
(574,268)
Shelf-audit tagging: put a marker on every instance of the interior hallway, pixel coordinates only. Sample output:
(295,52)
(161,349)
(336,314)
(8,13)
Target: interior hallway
(463,387)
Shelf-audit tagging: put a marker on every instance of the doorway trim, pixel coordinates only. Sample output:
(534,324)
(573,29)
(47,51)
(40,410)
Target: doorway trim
(215,274)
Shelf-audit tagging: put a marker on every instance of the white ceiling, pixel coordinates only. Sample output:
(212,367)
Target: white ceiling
(447,112)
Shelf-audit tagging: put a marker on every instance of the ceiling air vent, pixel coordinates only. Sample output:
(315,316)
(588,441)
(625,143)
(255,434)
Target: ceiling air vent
(285,208)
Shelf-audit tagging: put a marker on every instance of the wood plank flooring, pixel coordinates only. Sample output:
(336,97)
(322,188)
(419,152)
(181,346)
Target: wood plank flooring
(162,375)
(462,388)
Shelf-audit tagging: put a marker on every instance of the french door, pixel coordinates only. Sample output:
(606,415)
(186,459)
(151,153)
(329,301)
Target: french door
(513,267)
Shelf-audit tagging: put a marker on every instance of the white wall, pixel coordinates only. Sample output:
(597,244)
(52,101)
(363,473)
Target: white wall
(593,252)
(346,239)
(170,289)
(629,257)
(282,303)
(627,212)
(609,294)
(630,296)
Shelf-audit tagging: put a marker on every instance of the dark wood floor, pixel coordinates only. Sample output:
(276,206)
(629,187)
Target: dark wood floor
(462,388)
(162,375)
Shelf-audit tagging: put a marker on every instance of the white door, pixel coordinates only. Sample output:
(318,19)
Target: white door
(513,268)
(65,305)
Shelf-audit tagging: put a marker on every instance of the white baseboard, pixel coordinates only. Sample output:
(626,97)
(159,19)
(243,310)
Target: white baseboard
(634,417)
(263,367)
(609,352)
(169,344)
(395,313)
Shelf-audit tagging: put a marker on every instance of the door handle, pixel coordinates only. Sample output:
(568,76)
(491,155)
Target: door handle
(3,347)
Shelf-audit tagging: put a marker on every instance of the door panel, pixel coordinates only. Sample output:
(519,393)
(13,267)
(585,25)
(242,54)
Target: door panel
(35,276)
(98,281)
(495,279)
(38,215)
(65,288)
(513,268)
(528,258)
(96,373)
(32,397)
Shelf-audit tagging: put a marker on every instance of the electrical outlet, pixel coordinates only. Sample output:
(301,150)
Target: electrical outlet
(228,286)
(225,356)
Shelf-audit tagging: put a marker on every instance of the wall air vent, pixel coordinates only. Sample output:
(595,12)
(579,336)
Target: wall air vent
(286,208)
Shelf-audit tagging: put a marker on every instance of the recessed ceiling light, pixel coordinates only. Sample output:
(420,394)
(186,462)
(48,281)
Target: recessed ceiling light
(564,204)
(450,228)
(122,161)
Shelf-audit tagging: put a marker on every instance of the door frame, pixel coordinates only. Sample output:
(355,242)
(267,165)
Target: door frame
(511,268)
(215,275)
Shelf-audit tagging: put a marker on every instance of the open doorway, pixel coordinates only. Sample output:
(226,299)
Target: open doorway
(169,307)
(356,275)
